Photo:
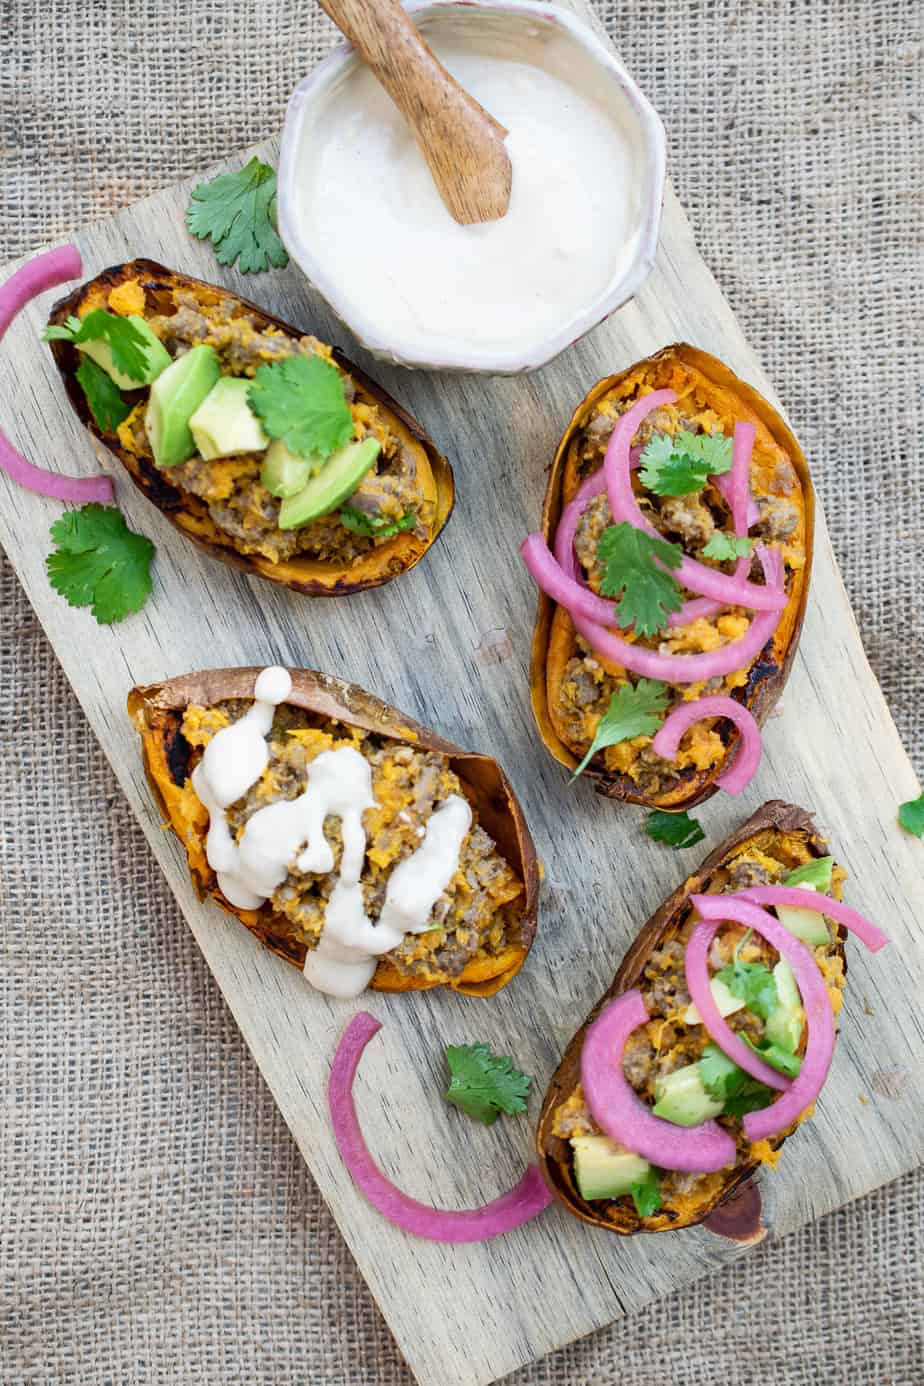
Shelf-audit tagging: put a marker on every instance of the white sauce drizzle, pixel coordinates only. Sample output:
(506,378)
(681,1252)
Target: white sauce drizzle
(291,832)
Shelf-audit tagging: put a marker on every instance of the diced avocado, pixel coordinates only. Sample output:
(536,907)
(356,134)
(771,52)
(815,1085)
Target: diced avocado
(816,874)
(804,924)
(224,425)
(726,1001)
(157,357)
(283,473)
(681,1098)
(337,480)
(175,396)
(603,1169)
(784,1023)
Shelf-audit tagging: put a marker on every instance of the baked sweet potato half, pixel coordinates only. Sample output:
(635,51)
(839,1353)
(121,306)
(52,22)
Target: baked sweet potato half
(571,681)
(475,933)
(381,529)
(662,1058)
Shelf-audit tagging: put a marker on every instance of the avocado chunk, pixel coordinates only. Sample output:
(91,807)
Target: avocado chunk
(335,483)
(816,874)
(224,425)
(175,396)
(785,1021)
(804,924)
(156,357)
(723,997)
(283,474)
(603,1169)
(680,1097)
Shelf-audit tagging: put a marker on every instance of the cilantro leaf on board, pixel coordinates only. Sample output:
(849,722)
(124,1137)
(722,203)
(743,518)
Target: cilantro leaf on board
(754,984)
(676,829)
(724,546)
(484,1084)
(127,342)
(100,562)
(357,522)
(301,400)
(726,1082)
(634,710)
(646,1193)
(631,571)
(107,403)
(681,465)
(911,816)
(237,212)
(776,1056)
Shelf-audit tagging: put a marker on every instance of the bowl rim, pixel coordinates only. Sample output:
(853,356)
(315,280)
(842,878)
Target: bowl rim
(315,85)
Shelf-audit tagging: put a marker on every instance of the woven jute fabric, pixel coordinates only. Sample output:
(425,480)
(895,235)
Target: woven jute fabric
(157,1224)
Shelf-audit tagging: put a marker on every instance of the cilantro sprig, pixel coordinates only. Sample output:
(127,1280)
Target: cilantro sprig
(723,547)
(776,1056)
(107,403)
(237,213)
(633,570)
(681,465)
(127,342)
(634,710)
(301,400)
(726,1082)
(377,526)
(752,983)
(911,816)
(646,1193)
(99,562)
(484,1084)
(676,829)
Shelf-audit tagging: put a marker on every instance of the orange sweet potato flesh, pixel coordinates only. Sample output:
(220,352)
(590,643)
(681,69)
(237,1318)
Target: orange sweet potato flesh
(302,573)
(775,820)
(554,637)
(157,713)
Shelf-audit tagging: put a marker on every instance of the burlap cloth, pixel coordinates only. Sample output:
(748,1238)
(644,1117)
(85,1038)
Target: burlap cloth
(157,1223)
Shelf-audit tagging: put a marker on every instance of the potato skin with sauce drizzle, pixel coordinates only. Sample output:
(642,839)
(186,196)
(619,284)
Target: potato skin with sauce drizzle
(554,637)
(157,713)
(775,818)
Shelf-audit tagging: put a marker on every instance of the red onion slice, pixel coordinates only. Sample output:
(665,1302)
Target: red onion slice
(622,1115)
(819,1016)
(866,931)
(529,1198)
(747,759)
(38,274)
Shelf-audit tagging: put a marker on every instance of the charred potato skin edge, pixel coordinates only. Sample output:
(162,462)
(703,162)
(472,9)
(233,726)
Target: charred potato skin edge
(489,789)
(168,500)
(766,678)
(554,1160)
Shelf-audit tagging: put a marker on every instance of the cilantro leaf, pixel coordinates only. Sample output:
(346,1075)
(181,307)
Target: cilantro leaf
(776,1056)
(754,984)
(127,342)
(100,562)
(646,1193)
(753,1097)
(237,212)
(911,816)
(633,711)
(676,829)
(724,546)
(484,1084)
(301,400)
(682,465)
(107,404)
(633,565)
(377,527)
(726,1082)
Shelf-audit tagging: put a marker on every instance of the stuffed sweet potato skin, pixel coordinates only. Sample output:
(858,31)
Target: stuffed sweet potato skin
(190,515)
(554,638)
(157,712)
(774,817)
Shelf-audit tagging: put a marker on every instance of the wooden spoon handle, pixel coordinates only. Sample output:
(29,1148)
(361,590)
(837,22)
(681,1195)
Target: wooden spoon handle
(461,141)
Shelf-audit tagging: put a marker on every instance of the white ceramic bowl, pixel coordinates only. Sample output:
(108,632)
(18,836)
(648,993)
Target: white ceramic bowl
(628,102)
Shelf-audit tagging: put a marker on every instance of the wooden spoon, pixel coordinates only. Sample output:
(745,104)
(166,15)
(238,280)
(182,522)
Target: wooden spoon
(462,144)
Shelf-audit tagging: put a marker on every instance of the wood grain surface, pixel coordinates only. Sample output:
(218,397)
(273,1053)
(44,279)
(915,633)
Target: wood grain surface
(449,643)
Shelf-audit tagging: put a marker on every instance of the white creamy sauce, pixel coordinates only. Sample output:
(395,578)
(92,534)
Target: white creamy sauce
(291,833)
(367,203)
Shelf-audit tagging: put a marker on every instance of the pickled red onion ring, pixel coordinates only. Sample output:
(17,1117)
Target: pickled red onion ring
(866,931)
(623,1116)
(819,1015)
(747,759)
(529,1198)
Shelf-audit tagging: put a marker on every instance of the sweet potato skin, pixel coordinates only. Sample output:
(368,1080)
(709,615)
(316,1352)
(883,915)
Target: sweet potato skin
(554,1158)
(156,711)
(190,515)
(770,671)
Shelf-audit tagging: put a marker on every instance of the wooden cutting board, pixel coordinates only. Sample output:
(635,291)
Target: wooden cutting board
(449,643)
